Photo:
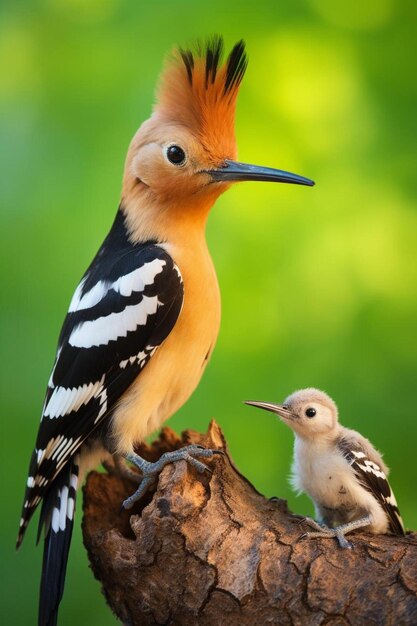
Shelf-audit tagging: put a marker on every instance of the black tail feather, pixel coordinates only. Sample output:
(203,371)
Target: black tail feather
(58,519)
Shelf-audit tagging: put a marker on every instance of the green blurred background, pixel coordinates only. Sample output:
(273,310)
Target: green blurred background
(318,285)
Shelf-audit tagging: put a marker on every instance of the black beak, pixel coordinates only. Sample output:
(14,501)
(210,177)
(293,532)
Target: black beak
(279,409)
(234,171)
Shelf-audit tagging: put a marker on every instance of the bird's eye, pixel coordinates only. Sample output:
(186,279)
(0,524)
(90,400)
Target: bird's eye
(175,155)
(310,412)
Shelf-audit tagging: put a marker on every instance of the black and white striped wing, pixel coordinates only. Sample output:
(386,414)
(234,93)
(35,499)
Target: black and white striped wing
(118,317)
(372,477)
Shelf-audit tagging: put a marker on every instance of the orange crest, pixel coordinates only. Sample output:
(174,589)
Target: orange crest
(198,91)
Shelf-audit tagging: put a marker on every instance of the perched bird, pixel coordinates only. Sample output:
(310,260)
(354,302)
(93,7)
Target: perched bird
(143,321)
(338,468)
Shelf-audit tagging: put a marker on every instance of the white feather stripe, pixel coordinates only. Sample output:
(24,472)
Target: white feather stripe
(68,452)
(55,518)
(51,378)
(74,481)
(139,278)
(91,298)
(138,357)
(108,328)
(59,402)
(77,400)
(68,443)
(102,411)
(60,442)
(39,455)
(76,298)
(125,285)
(73,398)
(66,507)
(63,508)
(391,500)
(70,508)
(36,481)
(372,468)
(65,400)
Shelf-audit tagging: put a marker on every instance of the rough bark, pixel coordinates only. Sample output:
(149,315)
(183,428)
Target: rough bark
(209,549)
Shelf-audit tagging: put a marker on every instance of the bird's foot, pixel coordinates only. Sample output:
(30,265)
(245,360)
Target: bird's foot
(150,470)
(339,532)
(330,532)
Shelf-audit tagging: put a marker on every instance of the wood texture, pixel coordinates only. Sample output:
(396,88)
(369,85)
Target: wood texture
(208,549)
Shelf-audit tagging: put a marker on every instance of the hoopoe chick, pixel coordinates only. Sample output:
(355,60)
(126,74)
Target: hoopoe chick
(338,468)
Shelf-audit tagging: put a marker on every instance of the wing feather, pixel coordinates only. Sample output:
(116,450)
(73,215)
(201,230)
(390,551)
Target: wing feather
(119,315)
(373,478)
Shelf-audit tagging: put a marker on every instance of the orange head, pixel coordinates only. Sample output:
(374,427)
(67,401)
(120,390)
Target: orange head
(184,154)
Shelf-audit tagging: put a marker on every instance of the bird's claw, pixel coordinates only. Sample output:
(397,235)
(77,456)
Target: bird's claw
(318,527)
(199,466)
(150,470)
(343,542)
(147,482)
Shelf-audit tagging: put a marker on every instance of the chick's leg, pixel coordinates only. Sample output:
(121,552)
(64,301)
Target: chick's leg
(339,532)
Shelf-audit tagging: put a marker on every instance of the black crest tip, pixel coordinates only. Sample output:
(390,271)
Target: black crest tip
(236,66)
(212,52)
(188,60)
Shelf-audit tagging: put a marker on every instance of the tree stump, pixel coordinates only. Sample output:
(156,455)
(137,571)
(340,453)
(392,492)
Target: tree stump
(208,549)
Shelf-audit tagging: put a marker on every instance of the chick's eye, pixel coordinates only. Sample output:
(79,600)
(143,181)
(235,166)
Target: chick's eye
(175,155)
(310,412)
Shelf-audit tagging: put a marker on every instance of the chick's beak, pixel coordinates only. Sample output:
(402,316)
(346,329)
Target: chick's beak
(279,409)
(233,171)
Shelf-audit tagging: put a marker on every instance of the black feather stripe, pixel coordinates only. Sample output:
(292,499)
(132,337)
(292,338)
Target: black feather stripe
(213,54)
(188,59)
(57,543)
(236,66)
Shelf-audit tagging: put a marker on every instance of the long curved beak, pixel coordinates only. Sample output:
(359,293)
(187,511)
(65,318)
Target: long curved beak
(235,171)
(278,409)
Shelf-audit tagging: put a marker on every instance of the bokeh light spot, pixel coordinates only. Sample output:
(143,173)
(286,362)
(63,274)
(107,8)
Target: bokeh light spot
(85,10)
(355,14)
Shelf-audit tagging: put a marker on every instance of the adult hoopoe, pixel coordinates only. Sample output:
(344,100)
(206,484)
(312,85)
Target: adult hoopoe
(144,319)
